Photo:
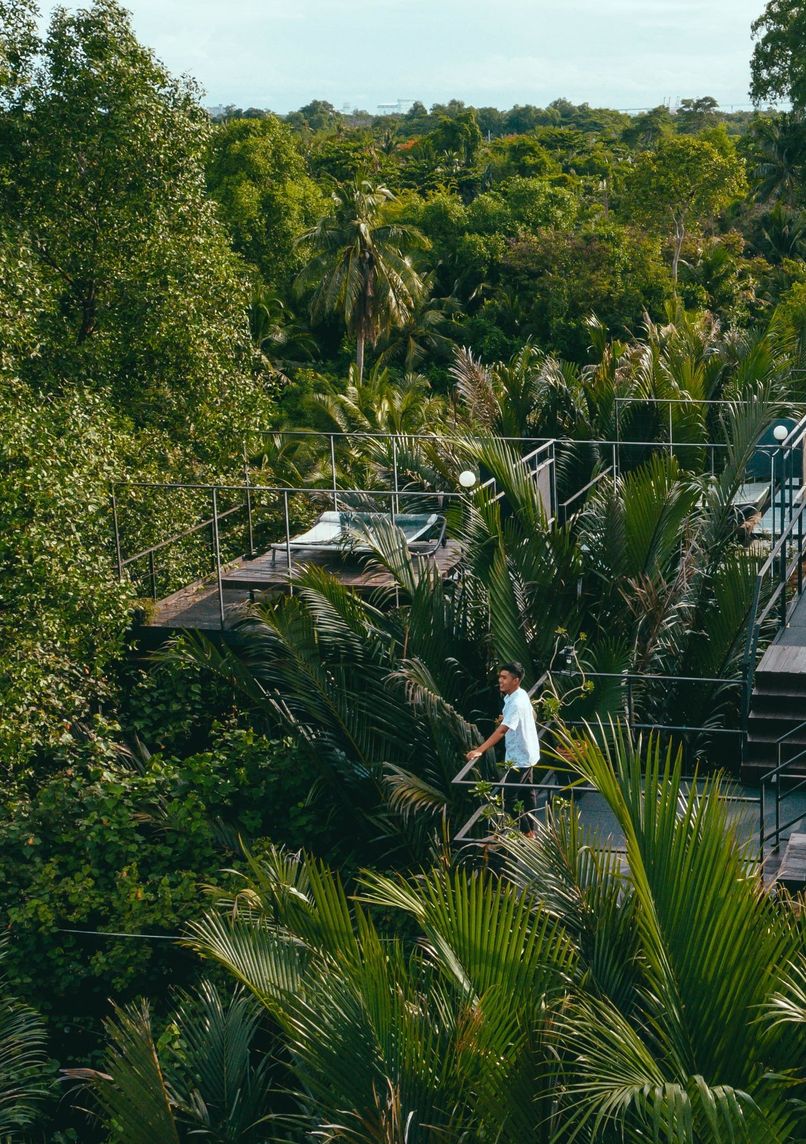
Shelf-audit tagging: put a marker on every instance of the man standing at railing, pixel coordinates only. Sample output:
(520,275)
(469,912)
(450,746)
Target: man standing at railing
(518,729)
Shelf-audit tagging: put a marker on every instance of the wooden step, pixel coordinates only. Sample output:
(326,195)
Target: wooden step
(791,701)
(792,684)
(792,871)
(771,729)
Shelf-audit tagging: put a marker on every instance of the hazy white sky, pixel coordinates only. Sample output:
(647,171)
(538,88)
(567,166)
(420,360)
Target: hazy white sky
(618,53)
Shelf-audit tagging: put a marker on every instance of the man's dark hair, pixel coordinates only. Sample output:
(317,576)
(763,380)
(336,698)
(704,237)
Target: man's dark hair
(513,667)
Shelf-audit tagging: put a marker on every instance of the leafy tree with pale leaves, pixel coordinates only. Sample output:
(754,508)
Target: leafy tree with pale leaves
(684,182)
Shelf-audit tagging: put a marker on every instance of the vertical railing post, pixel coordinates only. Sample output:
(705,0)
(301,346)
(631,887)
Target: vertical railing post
(671,432)
(333,472)
(800,552)
(762,825)
(217,555)
(772,495)
(395,499)
(288,542)
(783,568)
(118,558)
(250,533)
(630,705)
(153,573)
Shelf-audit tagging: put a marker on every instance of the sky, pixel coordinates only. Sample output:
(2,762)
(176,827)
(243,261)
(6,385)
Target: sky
(281,54)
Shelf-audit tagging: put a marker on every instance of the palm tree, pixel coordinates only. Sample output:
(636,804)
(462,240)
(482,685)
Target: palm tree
(426,332)
(674,1033)
(207,1081)
(361,266)
(25,1078)
(582,994)
(779,143)
(377,403)
(279,340)
(385,692)
(783,232)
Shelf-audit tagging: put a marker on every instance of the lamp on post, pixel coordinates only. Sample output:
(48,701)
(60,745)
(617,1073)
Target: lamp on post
(467,479)
(780,433)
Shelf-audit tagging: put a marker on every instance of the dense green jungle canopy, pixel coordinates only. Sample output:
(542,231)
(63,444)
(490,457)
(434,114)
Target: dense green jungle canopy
(173,293)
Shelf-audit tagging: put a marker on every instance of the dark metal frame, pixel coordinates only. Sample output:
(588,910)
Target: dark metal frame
(776,778)
(536,462)
(553,788)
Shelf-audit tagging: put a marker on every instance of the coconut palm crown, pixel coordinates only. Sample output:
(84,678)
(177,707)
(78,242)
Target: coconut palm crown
(361,266)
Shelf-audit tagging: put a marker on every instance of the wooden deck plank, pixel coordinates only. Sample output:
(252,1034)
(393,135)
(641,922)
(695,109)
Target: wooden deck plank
(785,657)
(792,872)
(267,572)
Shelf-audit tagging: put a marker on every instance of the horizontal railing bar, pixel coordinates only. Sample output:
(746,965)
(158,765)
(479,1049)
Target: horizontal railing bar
(590,484)
(494,437)
(641,675)
(791,731)
(459,439)
(292,490)
(180,535)
(502,783)
(666,727)
(784,537)
(703,401)
(577,788)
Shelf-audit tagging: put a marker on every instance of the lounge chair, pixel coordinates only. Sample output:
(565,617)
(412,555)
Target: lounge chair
(341,531)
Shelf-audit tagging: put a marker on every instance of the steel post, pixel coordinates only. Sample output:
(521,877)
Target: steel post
(217,554)
(333,472)
(288,542)
(395,499)
(118,558)
(250,534)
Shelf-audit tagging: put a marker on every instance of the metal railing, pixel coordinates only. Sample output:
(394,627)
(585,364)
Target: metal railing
(554,787)
(563,508)
(776,778)
(539,463)
(616,447)
(282,495)
(783,566)
(557,784)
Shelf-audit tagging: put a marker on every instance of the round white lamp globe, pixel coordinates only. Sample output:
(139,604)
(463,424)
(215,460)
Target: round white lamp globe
(467,479)
(780,432)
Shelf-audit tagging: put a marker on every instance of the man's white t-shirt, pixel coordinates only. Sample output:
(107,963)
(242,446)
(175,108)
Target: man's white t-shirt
(521,741)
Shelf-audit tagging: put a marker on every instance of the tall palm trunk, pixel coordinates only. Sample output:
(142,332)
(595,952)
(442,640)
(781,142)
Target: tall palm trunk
(359,355)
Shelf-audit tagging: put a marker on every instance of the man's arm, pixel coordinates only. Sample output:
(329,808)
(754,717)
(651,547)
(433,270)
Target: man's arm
(496,737)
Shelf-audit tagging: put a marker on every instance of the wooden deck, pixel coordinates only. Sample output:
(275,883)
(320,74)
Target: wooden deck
(197,605)
(271,569)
